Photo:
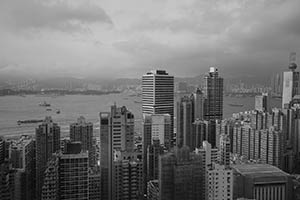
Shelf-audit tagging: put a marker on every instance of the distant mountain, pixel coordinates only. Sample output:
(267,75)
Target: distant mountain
(61,83)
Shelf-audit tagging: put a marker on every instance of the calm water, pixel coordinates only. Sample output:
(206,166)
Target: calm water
(14,108)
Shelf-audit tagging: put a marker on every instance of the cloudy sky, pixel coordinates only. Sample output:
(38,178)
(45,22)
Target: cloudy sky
(117,38)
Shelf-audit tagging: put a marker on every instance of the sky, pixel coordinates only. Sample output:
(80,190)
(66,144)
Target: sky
(117,38)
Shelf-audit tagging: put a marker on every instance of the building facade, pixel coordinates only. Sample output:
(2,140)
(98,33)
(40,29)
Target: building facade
(179,175)
(116,134)
(47,143)
(82,131)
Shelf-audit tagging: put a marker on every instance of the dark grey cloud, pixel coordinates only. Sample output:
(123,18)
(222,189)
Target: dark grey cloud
(250,37)
(241,37)
(56,15)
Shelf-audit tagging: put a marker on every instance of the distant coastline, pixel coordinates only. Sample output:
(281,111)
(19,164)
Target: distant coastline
(54,92)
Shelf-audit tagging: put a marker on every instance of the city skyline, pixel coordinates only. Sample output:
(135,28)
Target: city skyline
(81,38)
(149,100)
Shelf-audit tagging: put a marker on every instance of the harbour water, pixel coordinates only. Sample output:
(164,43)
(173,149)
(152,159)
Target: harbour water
(14,108)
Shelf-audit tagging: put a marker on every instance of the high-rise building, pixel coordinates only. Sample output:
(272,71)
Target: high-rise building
(291,83)
(7,184)
(219,182)
(198,104)
(262,102)
(184,122)
(127,176)
(225,148)
(208,156)
(153,190)
(94,183)
(157,127)
(200,133)
(104,152)
(47,143)
(82,131)
(260,182)
(213,91)
(276,83)
(67,176)
(73,176)
(156,137)
(2,150)
(203,130)
(224,127)
(158,94)
(265,145)
(180,175)
(152,157)
(116,133)
(22,158)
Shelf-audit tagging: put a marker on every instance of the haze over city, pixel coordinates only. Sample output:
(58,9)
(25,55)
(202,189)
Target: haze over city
(115,39)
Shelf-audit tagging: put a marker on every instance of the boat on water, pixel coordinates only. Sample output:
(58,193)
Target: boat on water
(236,105)
(45,104)
(57,111)
(48,109)
(30,121)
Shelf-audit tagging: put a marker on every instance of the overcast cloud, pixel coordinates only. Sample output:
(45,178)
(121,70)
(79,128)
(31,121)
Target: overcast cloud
(117,38)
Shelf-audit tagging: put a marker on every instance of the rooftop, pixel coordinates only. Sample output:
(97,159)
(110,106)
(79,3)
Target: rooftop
(157,72)
(261,172)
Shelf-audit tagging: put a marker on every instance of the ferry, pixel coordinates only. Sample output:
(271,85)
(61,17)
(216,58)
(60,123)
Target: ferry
(236,105)
(31,121)
(45,104)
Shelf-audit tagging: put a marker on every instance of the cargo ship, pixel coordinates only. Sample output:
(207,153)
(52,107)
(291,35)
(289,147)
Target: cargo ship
(31,121)
(236,105)
(45,104)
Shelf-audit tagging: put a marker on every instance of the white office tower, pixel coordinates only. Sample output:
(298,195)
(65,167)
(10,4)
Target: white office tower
(158,94)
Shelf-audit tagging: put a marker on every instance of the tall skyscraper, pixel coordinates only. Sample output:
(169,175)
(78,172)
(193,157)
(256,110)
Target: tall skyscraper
(22,158)
(82,131)
(47,143)
(116,133)
(156,137)
(158,94)
(67,175)
(104,152)
(213,90)
(198,104)
(262,102)
(180,175)
(291,81)
(184,122)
